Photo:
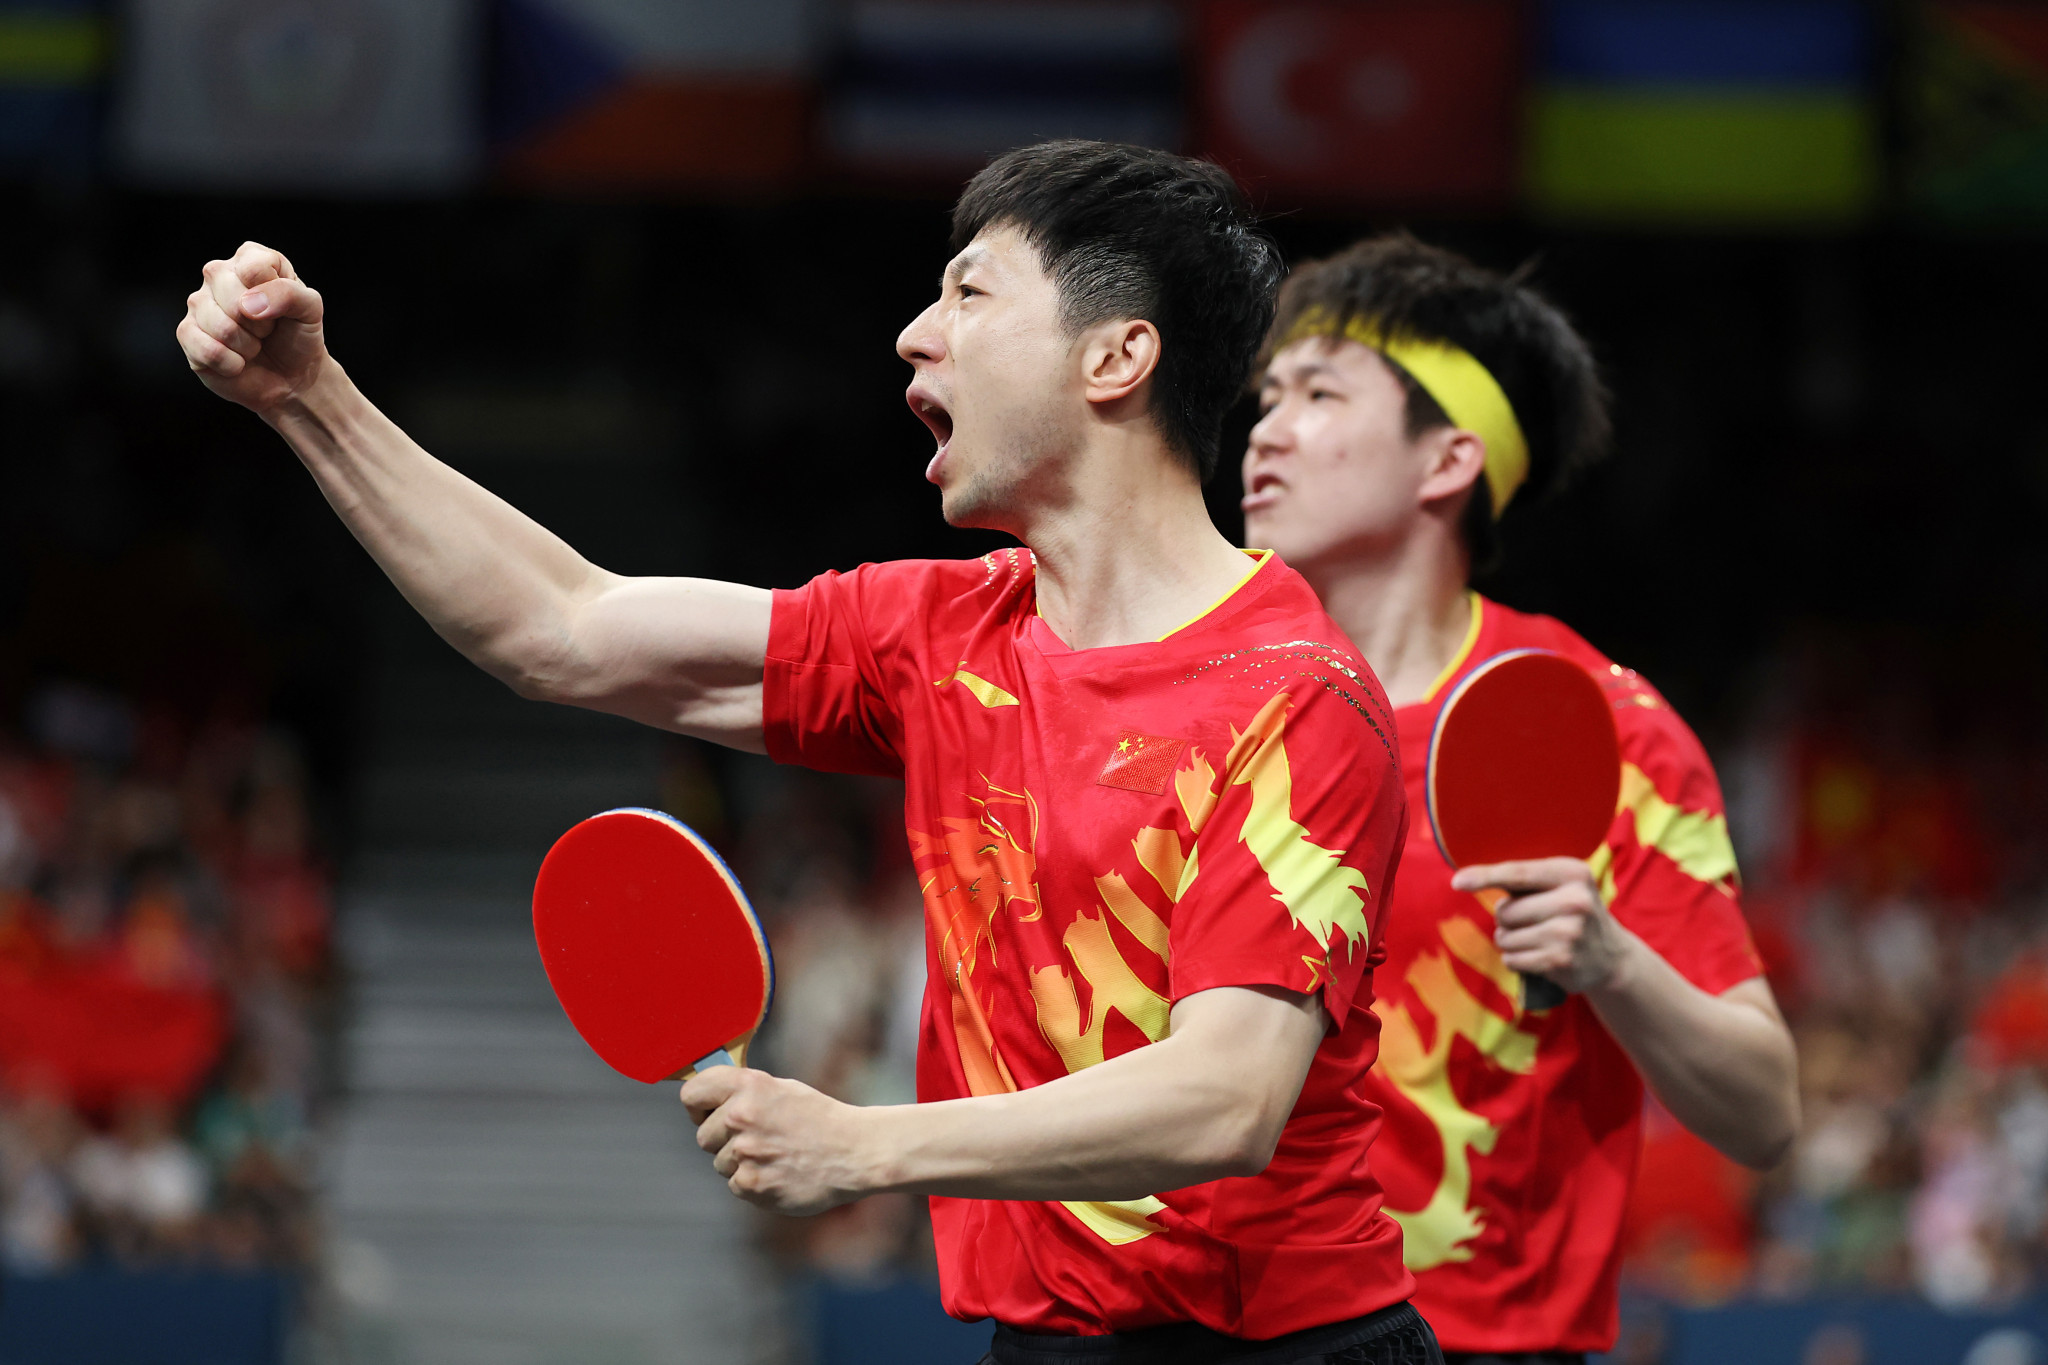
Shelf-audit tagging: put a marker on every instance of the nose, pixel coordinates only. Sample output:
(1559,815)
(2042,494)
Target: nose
(922,340)
(1271,434)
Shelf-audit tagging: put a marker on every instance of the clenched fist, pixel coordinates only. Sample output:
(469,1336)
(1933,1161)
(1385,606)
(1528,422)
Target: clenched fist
(252,330)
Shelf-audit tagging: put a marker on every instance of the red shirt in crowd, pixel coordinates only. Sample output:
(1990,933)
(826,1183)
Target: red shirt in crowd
(1098,834)
(1511,1139)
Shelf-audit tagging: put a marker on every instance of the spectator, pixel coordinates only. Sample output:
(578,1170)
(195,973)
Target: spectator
(142,1186)
(161,908)
(1904,934)
(39,1230)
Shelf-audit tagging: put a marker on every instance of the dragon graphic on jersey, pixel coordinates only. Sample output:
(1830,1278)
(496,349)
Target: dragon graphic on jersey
(979,866)
(1489,1017)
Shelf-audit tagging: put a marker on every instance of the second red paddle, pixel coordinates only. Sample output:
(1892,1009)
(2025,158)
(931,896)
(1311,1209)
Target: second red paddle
(1524,763)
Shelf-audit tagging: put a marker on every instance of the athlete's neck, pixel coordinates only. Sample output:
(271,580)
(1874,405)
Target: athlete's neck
(1407,608)
(1130,554)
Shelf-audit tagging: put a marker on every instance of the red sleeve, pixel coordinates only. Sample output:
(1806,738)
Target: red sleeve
(1294,854)
(1670,873)
(835,649)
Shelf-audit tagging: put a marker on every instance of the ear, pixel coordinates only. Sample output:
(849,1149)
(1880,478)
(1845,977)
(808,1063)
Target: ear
(1454,462)
(1117,357)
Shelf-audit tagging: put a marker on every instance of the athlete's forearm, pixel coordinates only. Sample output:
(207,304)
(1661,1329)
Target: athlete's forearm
(492,581)
(1130,1127)
(514,597)
(1208,1101)
(1723,1065)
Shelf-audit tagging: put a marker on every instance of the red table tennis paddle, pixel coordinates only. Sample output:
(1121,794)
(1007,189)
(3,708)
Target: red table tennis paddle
(1524,763)
(651,946)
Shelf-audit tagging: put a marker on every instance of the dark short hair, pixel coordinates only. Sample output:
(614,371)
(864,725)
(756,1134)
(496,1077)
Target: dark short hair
(1131,232)
(1410,288)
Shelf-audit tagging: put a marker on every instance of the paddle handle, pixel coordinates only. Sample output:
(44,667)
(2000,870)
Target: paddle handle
(733,1053)
(1538,992)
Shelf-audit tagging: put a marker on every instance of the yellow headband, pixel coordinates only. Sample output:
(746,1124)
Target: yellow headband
(1467,392)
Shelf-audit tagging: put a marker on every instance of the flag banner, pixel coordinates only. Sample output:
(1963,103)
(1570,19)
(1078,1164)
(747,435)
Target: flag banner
(1409,103)
(1723,112)
(53,61)
(624,94)
(323,96)
(939,86)
(1975,113)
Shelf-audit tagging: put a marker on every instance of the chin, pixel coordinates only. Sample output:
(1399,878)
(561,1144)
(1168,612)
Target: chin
(1297,550)
(979,500)
(977,517)
(1261,534)
(967,506)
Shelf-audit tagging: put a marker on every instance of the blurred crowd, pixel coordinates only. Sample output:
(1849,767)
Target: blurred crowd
(164,964)
(164,972)
(825,864)
(1896,888)
(1886,812)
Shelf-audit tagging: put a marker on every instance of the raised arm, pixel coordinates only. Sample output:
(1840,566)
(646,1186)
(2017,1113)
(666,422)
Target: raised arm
(680,653)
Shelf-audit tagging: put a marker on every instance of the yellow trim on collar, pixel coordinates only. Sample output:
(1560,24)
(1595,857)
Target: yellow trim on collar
(1258,558)
(1464,651)
(1465,389)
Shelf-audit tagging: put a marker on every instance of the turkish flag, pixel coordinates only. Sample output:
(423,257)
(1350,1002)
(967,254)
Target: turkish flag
(1408,103)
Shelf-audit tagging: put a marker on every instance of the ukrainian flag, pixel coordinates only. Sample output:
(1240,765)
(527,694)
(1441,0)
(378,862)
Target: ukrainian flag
(1716,112)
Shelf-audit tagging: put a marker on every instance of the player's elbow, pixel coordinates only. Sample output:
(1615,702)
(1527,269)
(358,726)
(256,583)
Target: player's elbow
(1769,1140)
(538,665)
(1756,1134)
(1242,1138)
(538,684)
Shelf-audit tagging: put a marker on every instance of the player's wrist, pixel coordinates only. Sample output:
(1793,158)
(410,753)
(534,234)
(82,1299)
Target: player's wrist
(1624,972)
(318,402)
(875,1145)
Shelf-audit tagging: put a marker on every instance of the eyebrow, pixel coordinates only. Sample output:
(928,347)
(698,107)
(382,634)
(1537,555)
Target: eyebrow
(1306,370)
(961,264)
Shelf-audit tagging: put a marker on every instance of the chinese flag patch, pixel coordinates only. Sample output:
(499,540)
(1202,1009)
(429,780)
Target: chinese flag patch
(1141,763)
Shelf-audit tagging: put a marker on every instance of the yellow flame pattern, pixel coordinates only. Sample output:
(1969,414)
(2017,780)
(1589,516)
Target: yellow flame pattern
(976,868)
(1442,1229)
(1321,894)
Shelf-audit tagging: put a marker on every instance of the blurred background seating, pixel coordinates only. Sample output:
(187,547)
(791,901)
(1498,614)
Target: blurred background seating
(274,1052)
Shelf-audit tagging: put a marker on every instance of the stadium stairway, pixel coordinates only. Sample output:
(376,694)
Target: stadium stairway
(493,1192)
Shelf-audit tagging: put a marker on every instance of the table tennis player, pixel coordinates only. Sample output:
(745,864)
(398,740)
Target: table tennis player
(1408,398)
(1151,793)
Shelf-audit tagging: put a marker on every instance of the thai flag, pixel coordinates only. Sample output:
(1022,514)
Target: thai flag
(942,85)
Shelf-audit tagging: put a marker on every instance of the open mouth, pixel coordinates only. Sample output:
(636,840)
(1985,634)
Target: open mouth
(1262,491)
(933,414)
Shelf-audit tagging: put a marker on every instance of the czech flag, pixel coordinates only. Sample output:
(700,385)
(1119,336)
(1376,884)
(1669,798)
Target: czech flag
(676,95)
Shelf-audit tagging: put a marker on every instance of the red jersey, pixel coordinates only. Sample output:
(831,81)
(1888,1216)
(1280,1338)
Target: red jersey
(1512,1138)
(1098,834)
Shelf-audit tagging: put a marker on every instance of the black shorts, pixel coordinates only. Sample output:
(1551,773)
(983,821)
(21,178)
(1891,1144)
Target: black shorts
(1392,1336)
(1515,1358)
